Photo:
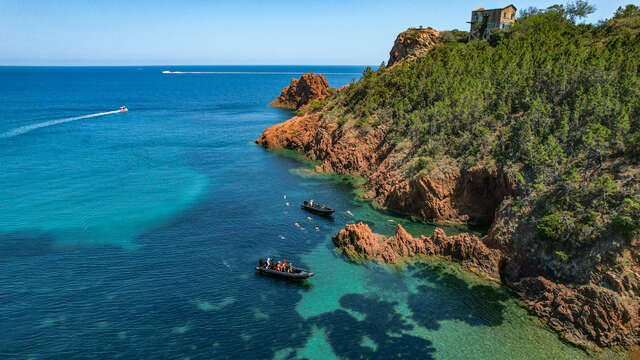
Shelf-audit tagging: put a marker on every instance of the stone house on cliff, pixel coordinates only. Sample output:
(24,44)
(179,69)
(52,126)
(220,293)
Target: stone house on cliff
(483,21)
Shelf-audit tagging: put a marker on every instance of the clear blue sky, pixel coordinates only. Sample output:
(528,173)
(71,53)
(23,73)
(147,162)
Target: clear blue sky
(145,32)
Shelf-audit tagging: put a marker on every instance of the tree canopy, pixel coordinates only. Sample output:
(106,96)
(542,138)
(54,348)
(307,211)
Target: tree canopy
(554,103)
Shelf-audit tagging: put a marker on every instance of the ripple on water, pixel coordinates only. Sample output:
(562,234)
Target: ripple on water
(209,306)
(181,329)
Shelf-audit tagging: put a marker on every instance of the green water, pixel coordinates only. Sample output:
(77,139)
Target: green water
(457,313)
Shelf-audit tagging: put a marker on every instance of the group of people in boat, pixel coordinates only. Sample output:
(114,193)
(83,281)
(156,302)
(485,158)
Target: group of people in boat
(283,268)
(279,266)
(312,204)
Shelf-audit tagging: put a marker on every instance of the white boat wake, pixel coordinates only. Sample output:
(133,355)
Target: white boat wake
(27,128)
(249,73)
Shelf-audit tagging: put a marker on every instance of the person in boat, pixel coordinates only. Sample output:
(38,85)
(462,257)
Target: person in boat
(311,202)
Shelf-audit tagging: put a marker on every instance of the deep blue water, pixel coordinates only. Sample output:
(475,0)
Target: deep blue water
(133,235)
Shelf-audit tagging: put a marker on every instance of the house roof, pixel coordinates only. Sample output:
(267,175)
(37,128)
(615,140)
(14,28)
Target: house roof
(483,9)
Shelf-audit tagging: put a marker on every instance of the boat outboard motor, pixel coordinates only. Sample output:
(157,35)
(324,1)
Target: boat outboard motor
(262,262)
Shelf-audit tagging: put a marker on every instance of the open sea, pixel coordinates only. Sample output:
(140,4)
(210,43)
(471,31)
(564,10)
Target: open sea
(134,235)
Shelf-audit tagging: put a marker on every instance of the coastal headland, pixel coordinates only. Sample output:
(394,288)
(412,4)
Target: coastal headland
(527,133)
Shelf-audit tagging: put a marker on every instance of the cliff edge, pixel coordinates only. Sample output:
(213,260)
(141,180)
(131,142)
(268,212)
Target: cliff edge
(446,194)
(412,44)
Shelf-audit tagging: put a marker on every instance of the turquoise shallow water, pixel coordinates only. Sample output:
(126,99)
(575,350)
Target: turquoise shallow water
(134,235)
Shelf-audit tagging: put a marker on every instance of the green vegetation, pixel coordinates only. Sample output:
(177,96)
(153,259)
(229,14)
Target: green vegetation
(452,36)
(553,103)
(313,106)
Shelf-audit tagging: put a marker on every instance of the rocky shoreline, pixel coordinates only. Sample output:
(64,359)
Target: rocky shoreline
(358,241)
(576,312)
(599,312)
(592,305)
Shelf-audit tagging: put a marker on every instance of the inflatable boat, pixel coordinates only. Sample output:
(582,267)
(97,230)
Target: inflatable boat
(296,274)
(316,208)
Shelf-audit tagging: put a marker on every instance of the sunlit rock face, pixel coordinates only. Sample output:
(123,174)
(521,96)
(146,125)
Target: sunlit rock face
(412,44)
(358,241)
(302,91)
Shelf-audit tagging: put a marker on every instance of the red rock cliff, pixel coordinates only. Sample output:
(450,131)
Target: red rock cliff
(302,91)
(442,195)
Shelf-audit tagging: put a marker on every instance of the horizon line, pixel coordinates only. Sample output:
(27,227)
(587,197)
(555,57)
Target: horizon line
(166,65)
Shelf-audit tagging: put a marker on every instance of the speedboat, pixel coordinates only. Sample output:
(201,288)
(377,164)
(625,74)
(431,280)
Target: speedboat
(295,274)
(317,208)
(123,109)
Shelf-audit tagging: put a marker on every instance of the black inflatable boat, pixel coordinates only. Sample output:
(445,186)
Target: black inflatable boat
(296,274)
(316,208)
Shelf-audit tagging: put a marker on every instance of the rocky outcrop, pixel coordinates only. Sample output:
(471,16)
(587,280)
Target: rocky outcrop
(592,313)
(603,312)
(302,91)
(357,241)
(412,44)
(443,195)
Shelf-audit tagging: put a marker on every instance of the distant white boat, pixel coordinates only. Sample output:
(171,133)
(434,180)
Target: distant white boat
(123,109)
(166,72)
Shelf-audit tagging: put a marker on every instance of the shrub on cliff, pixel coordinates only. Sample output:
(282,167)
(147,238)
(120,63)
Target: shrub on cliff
(555,102)
(455,35)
